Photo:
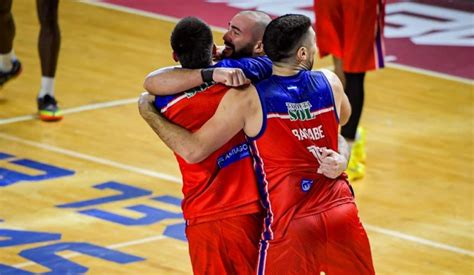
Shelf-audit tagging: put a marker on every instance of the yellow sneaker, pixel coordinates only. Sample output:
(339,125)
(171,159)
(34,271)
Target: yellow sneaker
(358,147)
(355,170)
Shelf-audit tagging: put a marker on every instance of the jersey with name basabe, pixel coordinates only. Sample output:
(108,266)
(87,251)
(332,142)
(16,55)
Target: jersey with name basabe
(301,118)
(224,184)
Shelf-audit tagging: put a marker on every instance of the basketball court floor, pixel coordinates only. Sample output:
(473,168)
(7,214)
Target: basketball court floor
(99,193)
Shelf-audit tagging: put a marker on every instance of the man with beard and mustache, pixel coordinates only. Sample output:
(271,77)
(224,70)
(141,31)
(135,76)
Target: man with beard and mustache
(242,40)
(311,222)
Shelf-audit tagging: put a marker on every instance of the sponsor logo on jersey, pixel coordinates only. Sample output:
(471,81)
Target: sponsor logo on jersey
(299,111)
(306,185)
(236,153)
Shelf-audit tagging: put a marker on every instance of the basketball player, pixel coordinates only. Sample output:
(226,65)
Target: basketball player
(221,202)
(291,119)
(48,45)
(243,39)
(354,39)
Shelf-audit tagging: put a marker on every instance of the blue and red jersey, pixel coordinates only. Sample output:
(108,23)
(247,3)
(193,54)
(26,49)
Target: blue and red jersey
(224,184)
(300,118)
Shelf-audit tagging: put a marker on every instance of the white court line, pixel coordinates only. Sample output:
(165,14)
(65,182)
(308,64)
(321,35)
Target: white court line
(141,12)
(429,73)
(74,154)
(113,246)
(94,106)
(175,20)
(418,240)
(377,229)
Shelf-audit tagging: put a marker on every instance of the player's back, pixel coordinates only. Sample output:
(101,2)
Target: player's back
(301,119)
(224,184)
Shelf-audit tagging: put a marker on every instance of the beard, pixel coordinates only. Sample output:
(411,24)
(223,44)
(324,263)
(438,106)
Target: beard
(230,52)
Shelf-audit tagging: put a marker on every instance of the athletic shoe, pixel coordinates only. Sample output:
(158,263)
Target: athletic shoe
(358,147)
(48,109)
(14,72)
(355,170)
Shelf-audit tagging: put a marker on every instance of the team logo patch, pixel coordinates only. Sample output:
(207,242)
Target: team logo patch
(306,185)
(299,111)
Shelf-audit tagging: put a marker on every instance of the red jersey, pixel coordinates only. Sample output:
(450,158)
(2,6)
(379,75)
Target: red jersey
(351,30)
(300,120)
(224,184)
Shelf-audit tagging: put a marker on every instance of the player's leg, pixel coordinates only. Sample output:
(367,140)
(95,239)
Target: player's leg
(10,67)
(348,248)
(242,235)
(205,251)
(359,36)
(301,250)
(48,46)
(225,246)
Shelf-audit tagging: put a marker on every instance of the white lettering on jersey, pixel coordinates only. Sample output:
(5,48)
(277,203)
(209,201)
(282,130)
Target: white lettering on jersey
(315,133)
(316,151)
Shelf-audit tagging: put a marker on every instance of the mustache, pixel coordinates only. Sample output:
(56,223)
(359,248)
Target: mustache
(230,45)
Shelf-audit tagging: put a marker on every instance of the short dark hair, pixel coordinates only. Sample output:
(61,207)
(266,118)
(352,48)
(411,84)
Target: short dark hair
(191,40)
(284,35)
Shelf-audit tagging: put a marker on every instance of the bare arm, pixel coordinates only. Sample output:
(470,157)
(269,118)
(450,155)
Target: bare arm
(169,80)
(231,116)
(342,102)
(173,80)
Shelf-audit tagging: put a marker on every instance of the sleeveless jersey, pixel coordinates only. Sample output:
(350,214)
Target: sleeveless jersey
(300,118)
(224,184)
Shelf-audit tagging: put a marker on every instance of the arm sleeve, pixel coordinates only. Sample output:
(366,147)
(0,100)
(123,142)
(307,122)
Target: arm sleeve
(254,68)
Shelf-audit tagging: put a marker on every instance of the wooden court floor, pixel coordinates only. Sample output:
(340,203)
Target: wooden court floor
(99,193)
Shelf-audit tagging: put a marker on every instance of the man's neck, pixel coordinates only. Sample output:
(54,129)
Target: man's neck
(284,69)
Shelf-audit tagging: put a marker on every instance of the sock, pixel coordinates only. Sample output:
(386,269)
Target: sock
(6,61)
(47,86)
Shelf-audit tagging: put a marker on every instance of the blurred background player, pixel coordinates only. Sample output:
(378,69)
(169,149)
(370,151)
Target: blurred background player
(48,46)
(351,31)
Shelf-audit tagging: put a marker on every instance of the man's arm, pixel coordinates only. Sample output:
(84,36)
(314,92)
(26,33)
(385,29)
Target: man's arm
(169,80)
(229,119)
(340,98)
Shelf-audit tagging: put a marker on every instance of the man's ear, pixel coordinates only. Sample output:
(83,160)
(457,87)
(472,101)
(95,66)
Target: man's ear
(258,48)
(175,57)
(302,54)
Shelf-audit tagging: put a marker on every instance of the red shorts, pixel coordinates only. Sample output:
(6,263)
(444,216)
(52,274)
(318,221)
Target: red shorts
(226,246)
(333,242)
(352,31)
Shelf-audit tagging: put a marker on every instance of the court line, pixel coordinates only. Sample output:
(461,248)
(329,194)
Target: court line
(113,246)
(219,29)
(407,68)
(74,154)
(377,229)
(418,240)
(141,12)
(94,106)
